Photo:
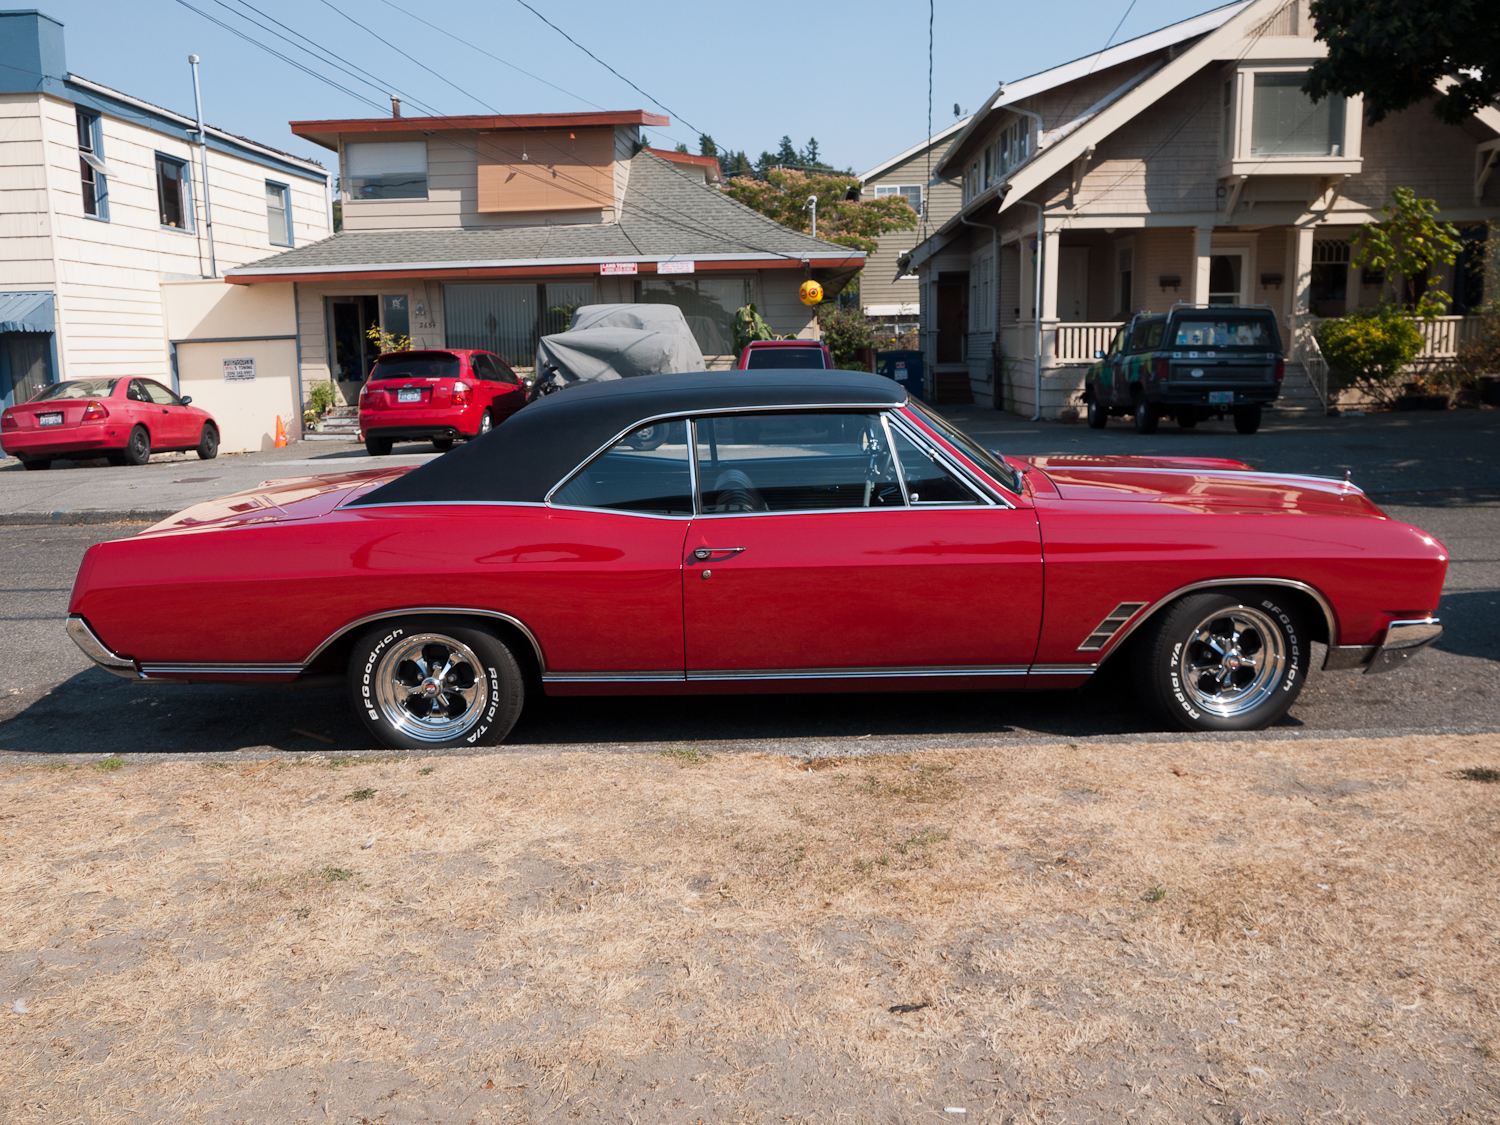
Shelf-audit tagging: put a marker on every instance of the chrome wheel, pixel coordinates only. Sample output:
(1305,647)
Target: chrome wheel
(431,688)
(486,424)
(1233,661)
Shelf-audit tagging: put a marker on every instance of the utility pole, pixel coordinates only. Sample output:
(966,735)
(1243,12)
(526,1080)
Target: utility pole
(208,215)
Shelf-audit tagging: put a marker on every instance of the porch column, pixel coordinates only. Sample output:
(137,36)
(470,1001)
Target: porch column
(1049,274)
(1027,299)
(1300,246)
(1203,257)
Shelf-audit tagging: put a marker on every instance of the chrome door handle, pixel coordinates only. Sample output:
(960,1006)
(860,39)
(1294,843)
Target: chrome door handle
(709,552)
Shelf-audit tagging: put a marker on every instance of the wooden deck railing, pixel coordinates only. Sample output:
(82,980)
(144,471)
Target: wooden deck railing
(1074,342)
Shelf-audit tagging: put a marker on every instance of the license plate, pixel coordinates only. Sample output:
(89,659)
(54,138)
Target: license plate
(408,396)
(1220,398)
(49,419)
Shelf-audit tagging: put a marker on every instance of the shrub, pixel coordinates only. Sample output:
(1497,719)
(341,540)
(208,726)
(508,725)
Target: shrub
(321,397)
(843,331)
(1369,348)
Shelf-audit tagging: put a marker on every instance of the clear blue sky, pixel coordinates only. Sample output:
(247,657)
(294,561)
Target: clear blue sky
(852,73)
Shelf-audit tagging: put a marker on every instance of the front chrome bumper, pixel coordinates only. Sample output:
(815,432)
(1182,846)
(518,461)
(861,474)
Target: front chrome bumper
(1402,640)
(96,650)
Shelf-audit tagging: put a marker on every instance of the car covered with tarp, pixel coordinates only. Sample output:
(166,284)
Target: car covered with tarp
(605,342)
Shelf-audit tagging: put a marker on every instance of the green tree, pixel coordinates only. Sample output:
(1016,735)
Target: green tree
(1408,244)
(680,148)
(857,224)
(706,146)
(1395,52)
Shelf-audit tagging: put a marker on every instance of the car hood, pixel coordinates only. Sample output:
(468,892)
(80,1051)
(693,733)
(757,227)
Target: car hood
(1207,484)
(274,501)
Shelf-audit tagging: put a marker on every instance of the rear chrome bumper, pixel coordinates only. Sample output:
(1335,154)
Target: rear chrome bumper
(98,652)
(1402,640)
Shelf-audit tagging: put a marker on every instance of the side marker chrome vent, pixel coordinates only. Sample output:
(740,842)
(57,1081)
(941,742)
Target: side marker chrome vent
(1105,631)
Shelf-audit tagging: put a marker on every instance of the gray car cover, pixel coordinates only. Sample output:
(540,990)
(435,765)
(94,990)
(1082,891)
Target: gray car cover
(616,342)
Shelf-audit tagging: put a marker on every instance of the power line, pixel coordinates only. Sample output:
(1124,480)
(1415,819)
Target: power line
(606,66)
(1111,38)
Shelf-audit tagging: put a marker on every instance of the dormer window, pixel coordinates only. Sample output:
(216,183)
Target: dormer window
(1268,126)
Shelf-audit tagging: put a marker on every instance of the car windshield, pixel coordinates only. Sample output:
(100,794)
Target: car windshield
(77,388)
(416,365)
(1224,332)
(785,358)
(988,461)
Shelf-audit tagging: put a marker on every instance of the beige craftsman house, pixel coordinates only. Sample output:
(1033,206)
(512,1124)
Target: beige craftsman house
(1185,165)
(117,221)
(486,232)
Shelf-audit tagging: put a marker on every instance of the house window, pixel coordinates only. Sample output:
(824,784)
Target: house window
(387,170)
(1286,122)
(1124,279)
(91,165)
(278,214)
(708,304)
(911,192)
(173,192)
(1226,135)
(982,295)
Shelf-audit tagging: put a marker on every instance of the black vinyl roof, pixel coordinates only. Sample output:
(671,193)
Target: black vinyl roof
(521,460)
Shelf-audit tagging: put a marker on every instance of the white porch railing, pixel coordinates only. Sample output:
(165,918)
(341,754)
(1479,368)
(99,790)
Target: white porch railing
(1441,337)
(1305,350)
(1073,342)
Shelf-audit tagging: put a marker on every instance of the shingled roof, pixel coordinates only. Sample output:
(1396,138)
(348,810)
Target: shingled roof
(665,216)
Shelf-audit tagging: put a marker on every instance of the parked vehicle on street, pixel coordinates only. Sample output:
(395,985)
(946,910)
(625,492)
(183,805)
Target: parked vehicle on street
(437,396)
(785,355)
(606,342)
(124,420)
(1196,362)
(793,531)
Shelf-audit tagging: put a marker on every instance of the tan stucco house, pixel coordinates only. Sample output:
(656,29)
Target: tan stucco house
(1185,165)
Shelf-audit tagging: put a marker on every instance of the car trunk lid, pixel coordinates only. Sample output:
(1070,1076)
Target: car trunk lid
(275,501)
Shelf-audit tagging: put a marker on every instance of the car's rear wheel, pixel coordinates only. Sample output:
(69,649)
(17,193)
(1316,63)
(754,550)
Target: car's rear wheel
(38,463)
(433,682)
(486,423)
(442,444)
(1098,413)
(137,447)
(1247,419)
(1146,417)
(208,444)
(377,446)
(1223,661)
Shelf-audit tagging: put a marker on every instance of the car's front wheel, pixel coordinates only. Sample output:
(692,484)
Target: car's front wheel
(1098,414)
(1218,661)
(208,444)
(432,682)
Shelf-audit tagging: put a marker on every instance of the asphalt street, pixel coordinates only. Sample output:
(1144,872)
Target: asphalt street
(1441,472)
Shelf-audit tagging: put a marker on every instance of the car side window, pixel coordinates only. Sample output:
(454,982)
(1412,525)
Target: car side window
(927,481)
(502,371)
(136,392)
(159,394)
(479,367)
(793,462)
(647,471)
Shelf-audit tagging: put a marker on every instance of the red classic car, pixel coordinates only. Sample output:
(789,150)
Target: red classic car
(125,420)
(792,531)
(436,396)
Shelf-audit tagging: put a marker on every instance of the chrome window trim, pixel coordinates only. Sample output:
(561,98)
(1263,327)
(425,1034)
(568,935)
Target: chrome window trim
(890,445)
(690,415)
(988,497)
(1218,583)
(915,411)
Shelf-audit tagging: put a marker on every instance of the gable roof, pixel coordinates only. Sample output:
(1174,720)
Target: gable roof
(665,216)
(1012,92)
(932,141)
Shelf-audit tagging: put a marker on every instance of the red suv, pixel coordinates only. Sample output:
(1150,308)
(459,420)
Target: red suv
(783,355)
(125,420)
(436,396)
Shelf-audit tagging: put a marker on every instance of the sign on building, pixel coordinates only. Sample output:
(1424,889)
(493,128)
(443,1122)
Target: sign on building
(674,267)
(607,268)
(239,370)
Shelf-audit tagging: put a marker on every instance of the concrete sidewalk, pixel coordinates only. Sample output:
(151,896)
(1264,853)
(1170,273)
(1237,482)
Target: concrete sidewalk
(93,492)
(1394,455)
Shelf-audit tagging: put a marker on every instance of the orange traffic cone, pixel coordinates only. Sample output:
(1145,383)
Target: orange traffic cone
(280,433)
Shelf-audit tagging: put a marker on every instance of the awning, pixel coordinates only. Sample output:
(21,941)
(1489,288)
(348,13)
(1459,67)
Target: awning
(26,312)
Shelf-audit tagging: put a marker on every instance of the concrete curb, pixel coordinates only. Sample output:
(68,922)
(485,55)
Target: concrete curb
(86,516)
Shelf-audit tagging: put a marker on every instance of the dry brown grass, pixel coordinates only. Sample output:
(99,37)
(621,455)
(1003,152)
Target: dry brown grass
(1276,931)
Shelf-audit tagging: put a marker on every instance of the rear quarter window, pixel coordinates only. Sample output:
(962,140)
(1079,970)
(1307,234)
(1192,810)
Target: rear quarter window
(1148,336)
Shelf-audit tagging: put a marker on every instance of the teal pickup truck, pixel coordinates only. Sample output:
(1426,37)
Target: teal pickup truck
(1195,362)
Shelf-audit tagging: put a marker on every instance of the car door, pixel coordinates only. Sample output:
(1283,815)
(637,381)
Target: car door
(504,385)
(813,556)
(178,425)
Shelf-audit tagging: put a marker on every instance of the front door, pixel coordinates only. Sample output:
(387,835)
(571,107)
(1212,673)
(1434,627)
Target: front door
(1227,272)
(27,364)
(812,559)
(353,352)
(952,320)
(1073,284)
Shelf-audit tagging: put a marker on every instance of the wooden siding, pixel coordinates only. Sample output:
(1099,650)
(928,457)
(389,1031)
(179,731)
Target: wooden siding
(546,170)
(878,284)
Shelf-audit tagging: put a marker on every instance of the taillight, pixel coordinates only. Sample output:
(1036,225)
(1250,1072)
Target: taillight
(1161,366)
(364,391)
(1280,370)
(95,412)
(8,421)
(463,394)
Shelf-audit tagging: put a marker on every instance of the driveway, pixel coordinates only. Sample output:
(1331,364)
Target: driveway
(1441,472)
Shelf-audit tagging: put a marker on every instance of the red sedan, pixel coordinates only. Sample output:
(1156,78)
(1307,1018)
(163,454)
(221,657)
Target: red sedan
(125,420)
(792,531)
(436,396)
